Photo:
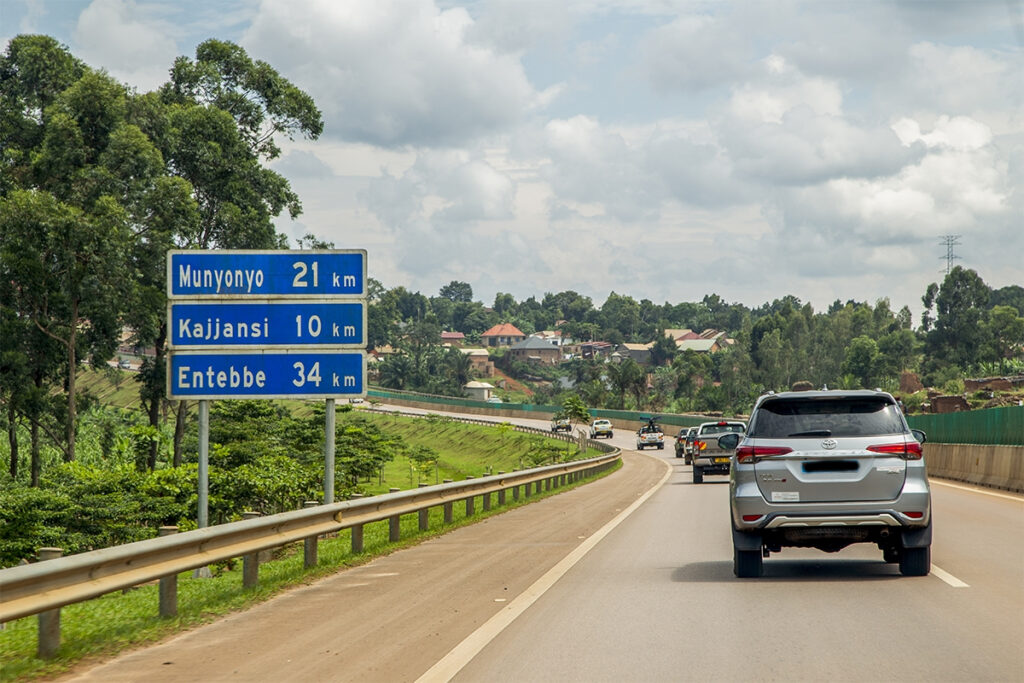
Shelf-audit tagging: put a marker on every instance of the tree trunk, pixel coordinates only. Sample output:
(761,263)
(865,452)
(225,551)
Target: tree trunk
(179,430)
(154,405)
(12,439)
(69,455)
(36,464)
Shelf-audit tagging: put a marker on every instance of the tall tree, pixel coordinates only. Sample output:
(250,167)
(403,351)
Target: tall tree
(70,270)
(960,304)
(217,122)
(457,292)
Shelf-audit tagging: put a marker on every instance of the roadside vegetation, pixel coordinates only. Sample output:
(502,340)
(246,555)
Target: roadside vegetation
(263,457)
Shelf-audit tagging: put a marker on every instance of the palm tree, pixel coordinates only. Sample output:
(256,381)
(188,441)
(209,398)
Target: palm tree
(396,371)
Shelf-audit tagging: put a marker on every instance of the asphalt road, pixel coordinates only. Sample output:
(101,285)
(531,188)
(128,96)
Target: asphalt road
(630,579)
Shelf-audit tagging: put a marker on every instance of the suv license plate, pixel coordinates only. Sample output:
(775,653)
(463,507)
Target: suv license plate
(721,460)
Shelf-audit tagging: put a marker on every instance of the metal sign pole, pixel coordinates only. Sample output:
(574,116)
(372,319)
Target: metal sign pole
(329,453)
(204,464)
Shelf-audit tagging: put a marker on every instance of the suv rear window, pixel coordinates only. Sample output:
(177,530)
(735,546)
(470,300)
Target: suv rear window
(732,428)
(824,417)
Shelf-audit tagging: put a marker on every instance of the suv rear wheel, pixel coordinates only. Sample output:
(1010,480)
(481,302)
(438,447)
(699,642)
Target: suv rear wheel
(747,564)
(916,561)
(698,474)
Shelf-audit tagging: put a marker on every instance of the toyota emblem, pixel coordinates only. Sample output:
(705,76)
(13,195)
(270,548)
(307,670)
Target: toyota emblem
(829,444)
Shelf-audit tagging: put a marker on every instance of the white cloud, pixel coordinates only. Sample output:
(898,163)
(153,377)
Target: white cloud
(134,45)
(393,73)
(960,133)
(694,52)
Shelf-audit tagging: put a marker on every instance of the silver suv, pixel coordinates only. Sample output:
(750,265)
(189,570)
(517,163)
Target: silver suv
(825,469)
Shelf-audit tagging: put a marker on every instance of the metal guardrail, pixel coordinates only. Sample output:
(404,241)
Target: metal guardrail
(35,588)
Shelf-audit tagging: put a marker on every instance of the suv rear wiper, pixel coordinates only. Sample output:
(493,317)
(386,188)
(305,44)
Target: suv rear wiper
(815,432)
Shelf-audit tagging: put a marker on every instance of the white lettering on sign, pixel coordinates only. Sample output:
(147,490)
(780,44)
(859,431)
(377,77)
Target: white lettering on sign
(209,378)
(344,281)
(213,329)
(220,278)
(348,381)
(347,331)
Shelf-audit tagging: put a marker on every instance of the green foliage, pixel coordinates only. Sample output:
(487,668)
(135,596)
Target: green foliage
(33,519)
(574,409)
(273,483)
(953,387)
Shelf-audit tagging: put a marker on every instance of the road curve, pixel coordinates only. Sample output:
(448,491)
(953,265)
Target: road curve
(654,600)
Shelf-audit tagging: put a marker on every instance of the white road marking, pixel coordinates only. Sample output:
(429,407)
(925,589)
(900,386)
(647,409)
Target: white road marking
(976,490)
(948,578)
(461,654)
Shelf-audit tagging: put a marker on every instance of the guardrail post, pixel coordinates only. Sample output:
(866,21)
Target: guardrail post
(394,523)
(169,583)
(424,514)
(250,562)
(449,514)
(49,621)
(310,545)
(470,502)
(501,492)
(357,532)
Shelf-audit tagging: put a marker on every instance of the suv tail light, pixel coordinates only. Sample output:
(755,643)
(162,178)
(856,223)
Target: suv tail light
(749,454)
(909,451)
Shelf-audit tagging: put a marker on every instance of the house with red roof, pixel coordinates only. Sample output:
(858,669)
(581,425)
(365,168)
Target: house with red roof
(505,334)
(452,338)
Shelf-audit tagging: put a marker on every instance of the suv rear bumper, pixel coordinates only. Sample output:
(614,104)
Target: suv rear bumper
(748,501)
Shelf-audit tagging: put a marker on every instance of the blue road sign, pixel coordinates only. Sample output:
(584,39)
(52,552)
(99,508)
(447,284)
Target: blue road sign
(274,374)
(266,324)
(234,274)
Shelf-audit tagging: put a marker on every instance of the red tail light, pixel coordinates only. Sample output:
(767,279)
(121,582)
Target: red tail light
(909,451)
(914,515)
(700,445)
(749,454)
(752,518)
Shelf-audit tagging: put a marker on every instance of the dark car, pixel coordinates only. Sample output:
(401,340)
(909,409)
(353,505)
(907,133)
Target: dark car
(680,444)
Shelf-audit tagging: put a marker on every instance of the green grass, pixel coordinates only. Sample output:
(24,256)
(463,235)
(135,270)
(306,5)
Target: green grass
(100,628)
(462,449)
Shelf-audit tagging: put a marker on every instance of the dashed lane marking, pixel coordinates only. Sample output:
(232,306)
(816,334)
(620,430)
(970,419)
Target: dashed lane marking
(948,578)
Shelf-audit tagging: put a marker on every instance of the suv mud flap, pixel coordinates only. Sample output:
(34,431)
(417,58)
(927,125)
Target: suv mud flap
(744,541)
(915,538)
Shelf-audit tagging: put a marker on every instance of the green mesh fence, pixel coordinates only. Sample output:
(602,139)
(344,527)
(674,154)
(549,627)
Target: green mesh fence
(998,426)
(993,426)
(526,408)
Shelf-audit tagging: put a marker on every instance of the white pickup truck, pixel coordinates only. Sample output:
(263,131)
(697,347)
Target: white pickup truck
(650,435)
(707,457)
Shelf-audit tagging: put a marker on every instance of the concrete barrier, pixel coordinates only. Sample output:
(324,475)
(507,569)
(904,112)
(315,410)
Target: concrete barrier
(1000,467)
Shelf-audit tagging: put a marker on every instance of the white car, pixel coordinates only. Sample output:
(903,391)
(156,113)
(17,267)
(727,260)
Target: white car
(601,428)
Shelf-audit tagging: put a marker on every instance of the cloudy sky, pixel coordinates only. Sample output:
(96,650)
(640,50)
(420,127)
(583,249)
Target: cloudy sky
(664,149)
